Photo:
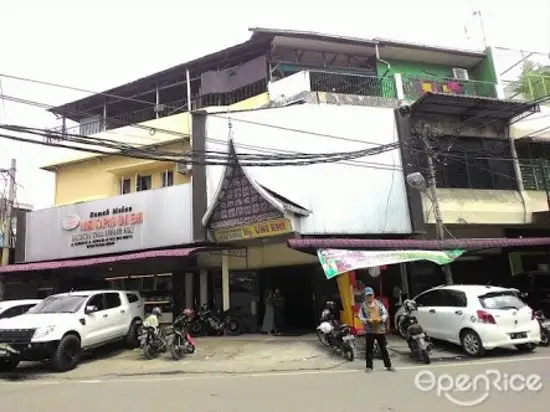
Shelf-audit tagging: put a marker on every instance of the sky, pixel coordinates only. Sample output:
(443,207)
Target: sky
(115,42)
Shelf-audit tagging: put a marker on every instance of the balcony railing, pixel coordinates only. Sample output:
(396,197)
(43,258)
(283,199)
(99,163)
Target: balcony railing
(416,86)
(535,174)
(354,84)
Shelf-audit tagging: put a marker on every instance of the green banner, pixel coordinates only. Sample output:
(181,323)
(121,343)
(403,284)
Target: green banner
(338,261)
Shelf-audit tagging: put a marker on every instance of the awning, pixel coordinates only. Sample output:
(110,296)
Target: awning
(79,263)
(480,109)
(467,243)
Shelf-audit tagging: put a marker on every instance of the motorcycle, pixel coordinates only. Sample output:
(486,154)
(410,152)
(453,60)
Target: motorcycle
(419,344)
(335,335)
(206,321)
(152,339)
(544,324)
(178,339)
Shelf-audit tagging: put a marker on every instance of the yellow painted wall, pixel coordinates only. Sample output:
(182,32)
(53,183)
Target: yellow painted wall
(258,257)
(99,177)
(90,177)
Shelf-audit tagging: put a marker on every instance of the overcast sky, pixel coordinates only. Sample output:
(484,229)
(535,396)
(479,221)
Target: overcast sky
(115,42)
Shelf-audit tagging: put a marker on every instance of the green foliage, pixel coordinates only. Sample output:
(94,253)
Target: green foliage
(534,81)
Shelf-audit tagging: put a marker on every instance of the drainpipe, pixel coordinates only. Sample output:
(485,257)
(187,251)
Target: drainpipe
(517,170)
(388,65)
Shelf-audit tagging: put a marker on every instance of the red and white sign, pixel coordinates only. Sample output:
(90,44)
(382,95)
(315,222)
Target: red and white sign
(70,222)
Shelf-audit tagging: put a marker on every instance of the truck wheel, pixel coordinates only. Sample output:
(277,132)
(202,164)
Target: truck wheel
(8,365)
(67,354)
(131,341)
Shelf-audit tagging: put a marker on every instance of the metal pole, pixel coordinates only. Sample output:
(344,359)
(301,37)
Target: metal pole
(439,228)
(10,201)
(545,182)
(189,102)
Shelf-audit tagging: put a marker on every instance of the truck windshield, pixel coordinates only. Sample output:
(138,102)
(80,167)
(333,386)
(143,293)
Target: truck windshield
(59,304)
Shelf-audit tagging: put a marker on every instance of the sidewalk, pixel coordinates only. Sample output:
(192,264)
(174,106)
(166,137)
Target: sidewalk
(219,355)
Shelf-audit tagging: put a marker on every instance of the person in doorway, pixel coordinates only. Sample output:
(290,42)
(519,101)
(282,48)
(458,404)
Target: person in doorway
(269,316)
(373,315)
(278,302)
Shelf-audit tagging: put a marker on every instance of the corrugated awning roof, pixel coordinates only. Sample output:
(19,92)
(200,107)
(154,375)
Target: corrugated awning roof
(467,243)
(480,109)
(93,261)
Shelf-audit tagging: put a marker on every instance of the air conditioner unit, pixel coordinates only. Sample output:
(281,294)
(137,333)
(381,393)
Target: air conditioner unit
(183,168)
(460,74)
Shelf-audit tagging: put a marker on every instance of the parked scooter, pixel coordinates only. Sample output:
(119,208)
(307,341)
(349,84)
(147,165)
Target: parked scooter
(206,321)
(419,344)
(152,340)
(544,324)
(335,335)
(178,339)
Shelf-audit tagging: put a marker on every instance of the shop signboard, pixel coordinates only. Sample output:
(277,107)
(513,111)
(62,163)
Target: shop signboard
(338,261)
(253,231)
(135,221)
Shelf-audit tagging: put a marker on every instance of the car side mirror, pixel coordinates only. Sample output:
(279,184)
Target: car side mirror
(524,294)
(90,309)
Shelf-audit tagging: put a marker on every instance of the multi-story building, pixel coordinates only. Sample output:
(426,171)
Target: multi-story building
(223,230)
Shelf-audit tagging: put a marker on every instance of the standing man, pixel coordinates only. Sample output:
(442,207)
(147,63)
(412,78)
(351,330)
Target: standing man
(373,315)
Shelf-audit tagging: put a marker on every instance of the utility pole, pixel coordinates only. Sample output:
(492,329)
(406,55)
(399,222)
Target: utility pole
(439,228)
(8,217)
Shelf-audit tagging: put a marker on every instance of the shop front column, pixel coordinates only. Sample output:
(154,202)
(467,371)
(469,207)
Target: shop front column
(189,290)
(203,286)
(225,280)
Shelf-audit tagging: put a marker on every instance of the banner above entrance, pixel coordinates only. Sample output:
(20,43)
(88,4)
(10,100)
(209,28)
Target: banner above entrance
(260,229)
(338,261)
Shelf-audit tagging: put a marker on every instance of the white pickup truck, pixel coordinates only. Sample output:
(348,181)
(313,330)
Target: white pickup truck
(61,326)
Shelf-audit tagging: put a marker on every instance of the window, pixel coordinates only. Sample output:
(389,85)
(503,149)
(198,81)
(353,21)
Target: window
(125,186)
(143,183)
(167,178)
(467,162)
(455,298)
(132,297)
(97,301)
(112,300)
(501,300)
(431,298)
(59,304)
(12,312)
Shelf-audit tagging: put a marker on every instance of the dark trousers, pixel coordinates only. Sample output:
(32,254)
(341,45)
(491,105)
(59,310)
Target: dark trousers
(370,338)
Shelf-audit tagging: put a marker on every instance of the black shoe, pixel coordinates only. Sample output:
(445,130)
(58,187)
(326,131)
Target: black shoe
(391,369)
(368,370)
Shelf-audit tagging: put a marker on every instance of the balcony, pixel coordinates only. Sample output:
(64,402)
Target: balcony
(332,82)
(416,86)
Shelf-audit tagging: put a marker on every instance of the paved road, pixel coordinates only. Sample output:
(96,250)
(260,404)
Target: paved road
(336,390)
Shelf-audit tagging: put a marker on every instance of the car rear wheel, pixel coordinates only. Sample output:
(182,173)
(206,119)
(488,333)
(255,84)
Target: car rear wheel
(131,340)
(471,343)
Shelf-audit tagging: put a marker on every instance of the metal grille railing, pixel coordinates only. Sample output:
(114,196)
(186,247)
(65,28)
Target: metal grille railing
(354,84)
(416,86)
(535,174)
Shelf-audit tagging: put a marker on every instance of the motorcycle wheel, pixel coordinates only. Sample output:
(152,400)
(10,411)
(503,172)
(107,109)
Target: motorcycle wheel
(425,357)
(149,352)
(177,351)
(233,327)
(323,338)
(401,328)
(349,353)
(544,339)
(196,329)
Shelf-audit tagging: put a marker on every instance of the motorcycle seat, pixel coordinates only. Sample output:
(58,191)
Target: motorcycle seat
(415,329)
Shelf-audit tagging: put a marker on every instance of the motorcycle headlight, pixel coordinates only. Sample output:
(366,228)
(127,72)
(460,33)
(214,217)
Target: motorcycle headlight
(43,331)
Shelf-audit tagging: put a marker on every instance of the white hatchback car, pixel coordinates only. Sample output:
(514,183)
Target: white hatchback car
(478,318)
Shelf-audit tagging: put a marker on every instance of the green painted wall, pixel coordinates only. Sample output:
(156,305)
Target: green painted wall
(416,69)
(485,70)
